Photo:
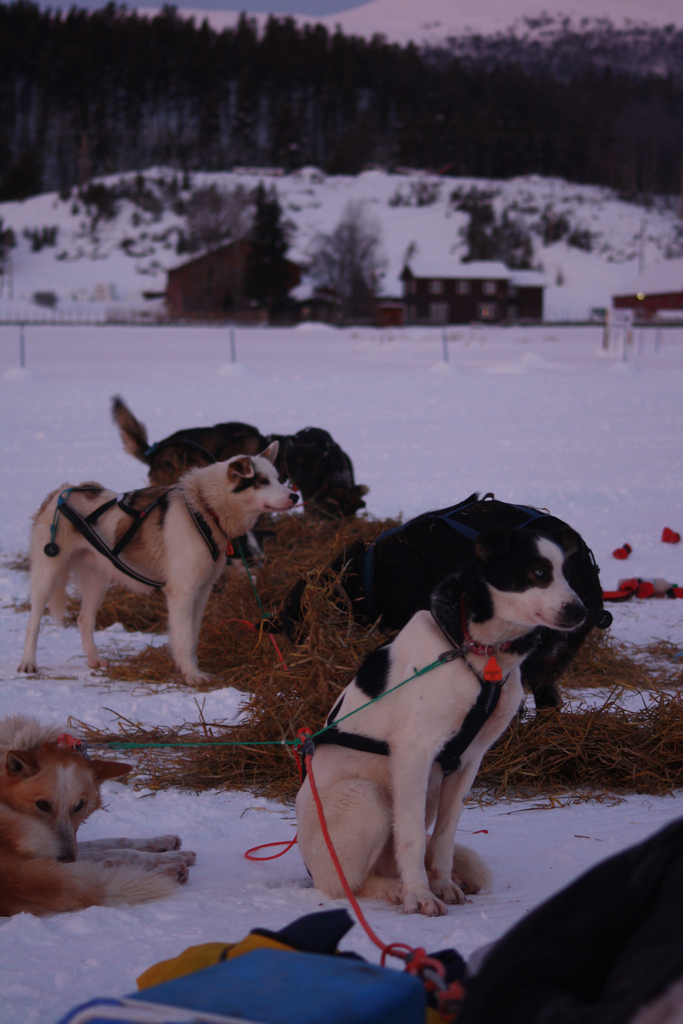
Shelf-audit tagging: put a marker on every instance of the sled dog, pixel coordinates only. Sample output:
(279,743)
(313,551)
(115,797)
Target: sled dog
(175,538)
(409,759)
(310,459)
(394,576)
(48,787)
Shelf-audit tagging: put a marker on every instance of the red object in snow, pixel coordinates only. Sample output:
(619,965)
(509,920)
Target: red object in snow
(622,552)
(670,536)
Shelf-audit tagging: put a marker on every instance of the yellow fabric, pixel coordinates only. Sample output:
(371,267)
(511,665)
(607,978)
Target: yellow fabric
(196,958)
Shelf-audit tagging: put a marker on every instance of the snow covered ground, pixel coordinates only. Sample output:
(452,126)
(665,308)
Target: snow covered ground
(542,416)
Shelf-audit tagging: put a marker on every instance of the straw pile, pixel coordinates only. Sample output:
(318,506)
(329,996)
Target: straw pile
(576,755)
(559,755)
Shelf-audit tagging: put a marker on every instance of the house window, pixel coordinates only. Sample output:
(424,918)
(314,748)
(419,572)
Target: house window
(438,312)
(512,291)
(411,313)
(487,311)
(463,287)
(489,288)
(435,288)
(410,287)
(513,312)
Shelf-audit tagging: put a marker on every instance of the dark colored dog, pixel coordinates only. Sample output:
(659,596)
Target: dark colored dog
(394,577)
(310,459)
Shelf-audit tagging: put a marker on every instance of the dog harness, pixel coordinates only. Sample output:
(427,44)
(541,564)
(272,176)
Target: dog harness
(84,525)
(450,755)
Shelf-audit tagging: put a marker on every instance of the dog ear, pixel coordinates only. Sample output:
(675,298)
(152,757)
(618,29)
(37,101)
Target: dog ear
(109,769)
(362,489)
(565,539)
(21,763)
(271,451)
(239,467)
(495,543)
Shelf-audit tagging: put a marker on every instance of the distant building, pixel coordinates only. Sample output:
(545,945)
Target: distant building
(446,292)
(390,313)
(656,294)
(211,286)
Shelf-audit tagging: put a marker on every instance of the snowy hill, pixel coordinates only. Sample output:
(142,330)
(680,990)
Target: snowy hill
(404,21)
(110,251)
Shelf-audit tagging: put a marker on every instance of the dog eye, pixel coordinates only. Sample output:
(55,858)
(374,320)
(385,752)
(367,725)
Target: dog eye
(44,806)
(79,807)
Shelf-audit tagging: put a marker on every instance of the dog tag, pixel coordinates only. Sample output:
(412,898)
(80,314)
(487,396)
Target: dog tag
(492,671)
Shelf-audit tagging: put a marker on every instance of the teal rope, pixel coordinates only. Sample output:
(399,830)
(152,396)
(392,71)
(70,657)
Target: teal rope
(277,743)
(264,614)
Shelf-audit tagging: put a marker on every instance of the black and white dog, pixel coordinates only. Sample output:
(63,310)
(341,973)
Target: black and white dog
(310,459)
(407,761)
(395,575)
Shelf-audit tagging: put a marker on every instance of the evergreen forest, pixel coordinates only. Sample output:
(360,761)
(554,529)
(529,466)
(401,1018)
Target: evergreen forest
(84,94)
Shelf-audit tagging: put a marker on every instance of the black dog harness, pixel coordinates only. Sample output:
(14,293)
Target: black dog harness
(84,525)
(450,755)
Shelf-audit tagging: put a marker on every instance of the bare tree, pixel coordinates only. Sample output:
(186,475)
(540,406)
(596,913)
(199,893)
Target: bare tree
(216,215)
(349,262)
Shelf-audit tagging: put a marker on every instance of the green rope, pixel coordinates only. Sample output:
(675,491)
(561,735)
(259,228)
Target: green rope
(264,614)
(277,743)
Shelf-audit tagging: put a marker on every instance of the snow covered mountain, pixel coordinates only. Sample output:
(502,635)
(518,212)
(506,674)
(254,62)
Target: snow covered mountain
(71,253)
(433,21)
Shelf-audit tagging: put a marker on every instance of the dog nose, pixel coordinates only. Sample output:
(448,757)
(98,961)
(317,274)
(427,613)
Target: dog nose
(293,497)
(573,614)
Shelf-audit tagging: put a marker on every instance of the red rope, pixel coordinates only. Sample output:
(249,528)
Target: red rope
(287,843)
(386,950)
(431,972)
(254,629)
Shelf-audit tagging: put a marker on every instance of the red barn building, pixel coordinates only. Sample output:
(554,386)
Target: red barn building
(655,294)
(211,286)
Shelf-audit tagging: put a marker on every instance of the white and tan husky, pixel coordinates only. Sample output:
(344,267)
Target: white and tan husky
(47,790)
(180,536)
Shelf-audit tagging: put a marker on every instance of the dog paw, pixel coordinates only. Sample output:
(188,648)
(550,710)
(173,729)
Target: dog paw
(188,856)
(96,662)
(447,890)
(423,902)
(196,678)
(29,667)
(178,871)
(162,844)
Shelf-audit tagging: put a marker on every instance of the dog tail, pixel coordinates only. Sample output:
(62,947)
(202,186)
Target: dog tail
(130,883)
(23,732)
(56,604)
(133,432)
(470,870)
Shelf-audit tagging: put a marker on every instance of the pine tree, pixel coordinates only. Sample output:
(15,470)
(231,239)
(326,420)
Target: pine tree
(267,277)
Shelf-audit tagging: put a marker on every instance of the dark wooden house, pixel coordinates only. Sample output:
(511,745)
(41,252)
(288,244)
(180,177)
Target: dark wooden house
(212,286)
(448,292)
(656,294)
